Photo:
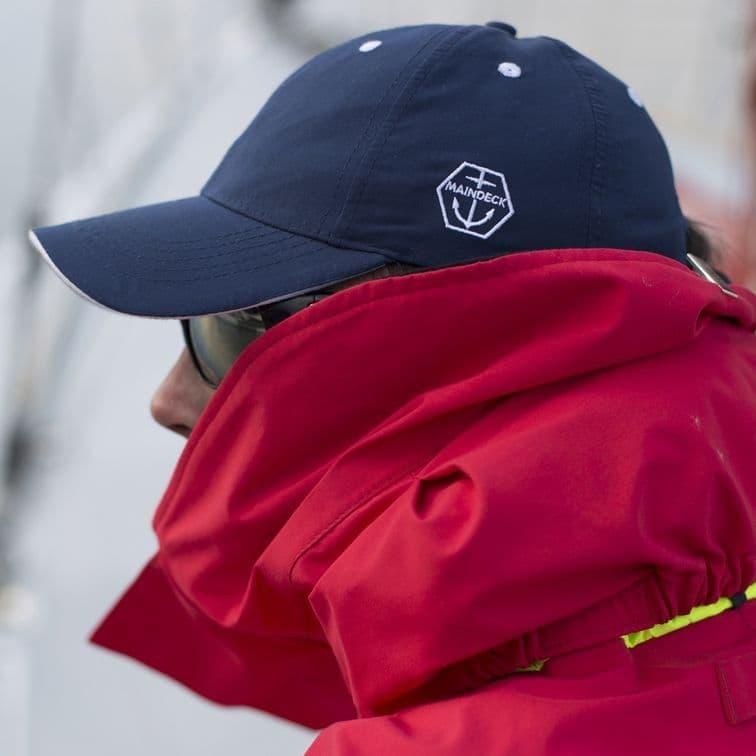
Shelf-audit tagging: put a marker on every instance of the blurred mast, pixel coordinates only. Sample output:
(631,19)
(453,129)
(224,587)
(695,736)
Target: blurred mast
(118,166)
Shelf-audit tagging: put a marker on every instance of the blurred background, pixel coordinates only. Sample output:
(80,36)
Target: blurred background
(111,105)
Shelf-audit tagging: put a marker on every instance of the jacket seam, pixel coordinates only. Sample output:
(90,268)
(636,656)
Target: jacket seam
(364,497)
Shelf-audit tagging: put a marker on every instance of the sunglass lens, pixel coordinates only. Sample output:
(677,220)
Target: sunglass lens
(218,340)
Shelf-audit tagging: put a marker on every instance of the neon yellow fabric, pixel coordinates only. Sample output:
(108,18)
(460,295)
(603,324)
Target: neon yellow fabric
(696,614)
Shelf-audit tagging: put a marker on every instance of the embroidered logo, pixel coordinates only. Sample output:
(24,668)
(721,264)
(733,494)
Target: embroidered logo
(475,200)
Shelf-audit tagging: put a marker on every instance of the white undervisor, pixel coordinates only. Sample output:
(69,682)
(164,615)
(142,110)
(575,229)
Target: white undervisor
(37,244)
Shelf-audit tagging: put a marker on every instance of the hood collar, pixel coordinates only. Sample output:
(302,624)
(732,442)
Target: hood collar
(342,410)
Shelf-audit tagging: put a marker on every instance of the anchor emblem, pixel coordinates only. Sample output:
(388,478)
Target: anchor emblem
(480,182)
(481,186)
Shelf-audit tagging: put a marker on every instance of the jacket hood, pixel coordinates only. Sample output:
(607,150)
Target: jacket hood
(424,482)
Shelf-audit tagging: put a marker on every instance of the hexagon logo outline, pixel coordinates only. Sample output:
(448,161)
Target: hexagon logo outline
(473,189)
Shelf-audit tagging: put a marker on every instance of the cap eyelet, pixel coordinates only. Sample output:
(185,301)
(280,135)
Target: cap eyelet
(510,70)
(370,45)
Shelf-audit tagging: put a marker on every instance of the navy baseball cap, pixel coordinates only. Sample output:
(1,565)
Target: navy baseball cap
(433,145)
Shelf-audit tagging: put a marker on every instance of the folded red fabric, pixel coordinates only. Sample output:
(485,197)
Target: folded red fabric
(403,493)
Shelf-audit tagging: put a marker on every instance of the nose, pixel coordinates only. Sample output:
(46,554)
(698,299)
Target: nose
(181,397)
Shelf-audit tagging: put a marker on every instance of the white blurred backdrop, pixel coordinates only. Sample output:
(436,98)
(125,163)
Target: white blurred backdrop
(111,105)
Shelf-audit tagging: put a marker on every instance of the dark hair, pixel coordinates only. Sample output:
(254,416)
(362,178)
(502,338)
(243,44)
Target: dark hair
(397,267)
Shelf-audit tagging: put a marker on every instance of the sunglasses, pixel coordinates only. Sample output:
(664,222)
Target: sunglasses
(214,342)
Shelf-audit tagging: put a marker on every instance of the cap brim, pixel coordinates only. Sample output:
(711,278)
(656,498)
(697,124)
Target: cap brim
(191,257)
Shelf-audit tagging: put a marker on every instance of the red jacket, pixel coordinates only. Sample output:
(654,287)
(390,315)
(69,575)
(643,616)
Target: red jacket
(402,495)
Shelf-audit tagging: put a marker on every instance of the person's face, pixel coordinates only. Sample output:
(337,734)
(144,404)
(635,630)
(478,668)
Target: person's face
(183,395)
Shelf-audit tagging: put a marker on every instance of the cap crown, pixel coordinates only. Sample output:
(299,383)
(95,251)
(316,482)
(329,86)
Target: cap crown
(447,144)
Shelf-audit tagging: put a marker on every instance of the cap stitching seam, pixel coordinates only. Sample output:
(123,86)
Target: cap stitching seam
(368,127)
(602,146)
(599,154)
(584,175)
(330,242)
(89,229)
(233,148)
(452,38)
(95,236)
(129,273)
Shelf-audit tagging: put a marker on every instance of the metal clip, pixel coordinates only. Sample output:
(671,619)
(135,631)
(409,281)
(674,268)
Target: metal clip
(704,269)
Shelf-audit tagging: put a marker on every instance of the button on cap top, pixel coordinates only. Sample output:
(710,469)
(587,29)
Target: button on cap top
(504,27)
